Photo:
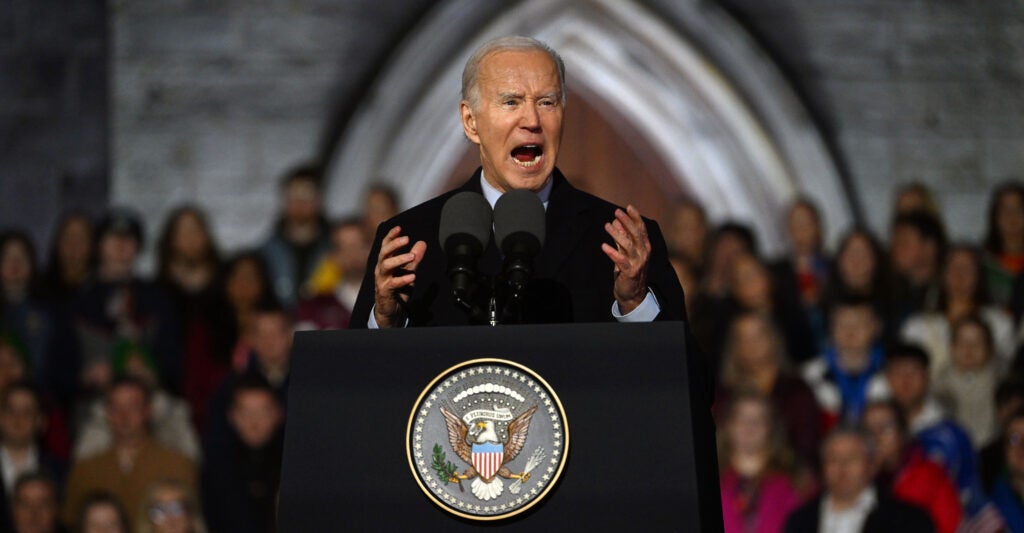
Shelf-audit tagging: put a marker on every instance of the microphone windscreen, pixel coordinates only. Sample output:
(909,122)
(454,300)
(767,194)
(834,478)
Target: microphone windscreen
(518,211)
(466,213)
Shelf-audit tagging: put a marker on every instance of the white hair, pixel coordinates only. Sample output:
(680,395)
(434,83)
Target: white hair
(517,43)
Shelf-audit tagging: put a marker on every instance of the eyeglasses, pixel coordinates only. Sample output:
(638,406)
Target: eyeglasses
(163,511)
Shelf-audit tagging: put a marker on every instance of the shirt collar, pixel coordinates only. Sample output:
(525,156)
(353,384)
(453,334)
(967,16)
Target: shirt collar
(492,194)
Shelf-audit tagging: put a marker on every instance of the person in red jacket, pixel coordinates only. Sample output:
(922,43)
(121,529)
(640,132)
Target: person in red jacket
(904,472)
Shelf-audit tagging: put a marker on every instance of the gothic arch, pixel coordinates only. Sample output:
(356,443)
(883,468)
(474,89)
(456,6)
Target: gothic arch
(731,131)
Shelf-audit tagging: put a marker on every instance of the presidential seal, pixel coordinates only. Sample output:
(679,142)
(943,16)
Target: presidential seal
(487,439)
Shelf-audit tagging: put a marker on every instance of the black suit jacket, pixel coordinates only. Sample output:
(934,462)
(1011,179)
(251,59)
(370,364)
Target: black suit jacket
(572,275)
(889,516)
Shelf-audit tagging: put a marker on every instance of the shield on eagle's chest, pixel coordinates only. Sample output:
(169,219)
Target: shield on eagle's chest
(487,459)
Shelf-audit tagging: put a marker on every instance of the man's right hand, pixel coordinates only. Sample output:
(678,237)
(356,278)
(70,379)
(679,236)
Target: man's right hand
(394,277)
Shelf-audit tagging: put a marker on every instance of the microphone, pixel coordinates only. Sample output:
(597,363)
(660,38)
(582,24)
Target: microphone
(464,231)
(519,231)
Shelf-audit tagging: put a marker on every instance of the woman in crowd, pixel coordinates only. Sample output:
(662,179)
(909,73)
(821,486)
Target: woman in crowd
(1004,240)
(171,507)
(803,274)
(963,292)
(189,263)
(967,386)
(71,261)
(759,477)
(755,360)
(859,271)
(246,287)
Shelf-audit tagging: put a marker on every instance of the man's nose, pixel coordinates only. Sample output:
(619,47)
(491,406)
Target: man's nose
(530,117)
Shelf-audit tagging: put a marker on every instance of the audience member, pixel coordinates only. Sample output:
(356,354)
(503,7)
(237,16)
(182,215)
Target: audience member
(992,457)
(804,271)
(686,233)
(170,506)
(846,376)
(915,196)
(102,513)
(967,386)
(22,422)
(332,306)
(754,360)
(1004,240)
(903,471)
(963,293)
(759,476)
(35,504)
(246,287)
(850,503)
(754,289)
(379,204)
(300,237)
(1008,489)
(860,270)
(941,439)
(134,459)
(916,247)
(729,242)
(70,264)
(121,314)
(240,487)
(188,266)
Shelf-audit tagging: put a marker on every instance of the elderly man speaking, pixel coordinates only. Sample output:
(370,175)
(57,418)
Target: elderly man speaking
(598,262)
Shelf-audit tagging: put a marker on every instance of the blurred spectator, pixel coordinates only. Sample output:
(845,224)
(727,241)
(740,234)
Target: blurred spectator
(379,204)
(992,457)
(34,507)
(915,196)
(134,460)
(240,487)
(271,355)
(1004,240)
(941,440)
(754,289)
(102,513)
(331,308)
(1008,489)
(757,482)
(687,233)
(803,274)
(860,270)
(189,264)
(120,316)
(903,471)
(170,506)
(847,376)
(967,387)
(169,422)
(300,237)
(963,293)
(729,241)
(27,320)
(70,263)
(754,360)
(850,503)
(917,245)
(246,287)
(22,423)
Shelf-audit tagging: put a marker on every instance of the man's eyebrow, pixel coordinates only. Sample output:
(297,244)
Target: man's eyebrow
(505,95)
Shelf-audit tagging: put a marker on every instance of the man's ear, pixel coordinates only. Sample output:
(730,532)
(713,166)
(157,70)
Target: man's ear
(469,122)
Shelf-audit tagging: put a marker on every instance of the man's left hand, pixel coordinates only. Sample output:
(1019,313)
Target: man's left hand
(630,255)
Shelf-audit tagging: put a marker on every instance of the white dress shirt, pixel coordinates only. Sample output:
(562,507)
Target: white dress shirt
(850,520)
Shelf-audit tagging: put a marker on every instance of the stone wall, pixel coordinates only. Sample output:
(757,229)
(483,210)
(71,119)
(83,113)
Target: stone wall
(211,101)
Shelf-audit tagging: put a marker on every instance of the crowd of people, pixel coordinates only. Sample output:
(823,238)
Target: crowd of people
(879,385)
(877,388)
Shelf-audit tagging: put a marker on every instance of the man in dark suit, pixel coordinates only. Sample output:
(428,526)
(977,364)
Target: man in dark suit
(598,263)
(850,503)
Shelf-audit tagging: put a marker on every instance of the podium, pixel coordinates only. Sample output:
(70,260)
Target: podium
(641,454)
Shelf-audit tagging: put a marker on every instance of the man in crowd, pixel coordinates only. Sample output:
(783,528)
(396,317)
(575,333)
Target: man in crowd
(240,486)
(850,502)
(299,240)
(34,507)
(917,246)
(134,460)
(21,425)
(332,306)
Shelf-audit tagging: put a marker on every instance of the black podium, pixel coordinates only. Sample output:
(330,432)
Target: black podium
(642,453)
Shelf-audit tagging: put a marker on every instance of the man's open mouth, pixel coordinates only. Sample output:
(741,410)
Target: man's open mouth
(527,155)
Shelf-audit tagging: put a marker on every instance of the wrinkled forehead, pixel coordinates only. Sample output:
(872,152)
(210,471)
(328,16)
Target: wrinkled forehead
(518,70)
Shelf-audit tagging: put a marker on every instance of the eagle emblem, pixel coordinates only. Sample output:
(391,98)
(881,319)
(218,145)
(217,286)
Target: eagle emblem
(487,439)
(480,447)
